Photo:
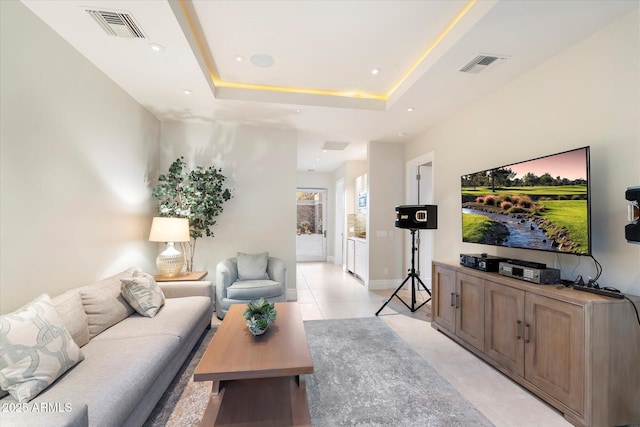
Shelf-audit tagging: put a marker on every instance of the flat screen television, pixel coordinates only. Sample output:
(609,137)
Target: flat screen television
(541,204)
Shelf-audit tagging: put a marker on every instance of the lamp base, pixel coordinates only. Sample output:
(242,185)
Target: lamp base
(170,261)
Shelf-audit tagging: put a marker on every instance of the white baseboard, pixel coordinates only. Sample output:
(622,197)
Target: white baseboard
(393,284)
(384,284)
(292,294)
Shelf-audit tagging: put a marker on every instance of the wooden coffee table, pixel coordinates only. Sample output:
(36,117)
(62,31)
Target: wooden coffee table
(257,380)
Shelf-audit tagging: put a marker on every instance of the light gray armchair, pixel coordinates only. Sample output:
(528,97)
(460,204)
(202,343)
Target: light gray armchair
(247,277)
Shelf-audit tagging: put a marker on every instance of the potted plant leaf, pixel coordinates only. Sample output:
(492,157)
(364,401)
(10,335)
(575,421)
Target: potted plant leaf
(260,314)
(196,194)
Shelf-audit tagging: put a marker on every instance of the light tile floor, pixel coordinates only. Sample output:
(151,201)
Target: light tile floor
(326,292)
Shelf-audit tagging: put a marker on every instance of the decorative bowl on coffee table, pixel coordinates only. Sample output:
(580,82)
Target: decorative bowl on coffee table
(260,314)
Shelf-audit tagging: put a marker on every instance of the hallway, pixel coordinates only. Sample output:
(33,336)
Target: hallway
(327,292)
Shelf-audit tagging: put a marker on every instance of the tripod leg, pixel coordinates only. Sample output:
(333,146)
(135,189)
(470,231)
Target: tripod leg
(424,286)
(394,295)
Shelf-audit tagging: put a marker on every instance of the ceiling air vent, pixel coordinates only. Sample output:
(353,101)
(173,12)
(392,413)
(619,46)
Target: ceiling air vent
(118,24)
(482,62)
(336,146)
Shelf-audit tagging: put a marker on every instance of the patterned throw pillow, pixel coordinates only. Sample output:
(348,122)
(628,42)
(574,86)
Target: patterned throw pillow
(35,349)
(143,293)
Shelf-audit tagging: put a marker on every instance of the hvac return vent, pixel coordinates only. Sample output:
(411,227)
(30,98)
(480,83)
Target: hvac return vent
(336,146)
(482,62)
(118,24)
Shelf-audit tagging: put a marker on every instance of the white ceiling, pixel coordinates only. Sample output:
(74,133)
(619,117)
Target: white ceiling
(321,82)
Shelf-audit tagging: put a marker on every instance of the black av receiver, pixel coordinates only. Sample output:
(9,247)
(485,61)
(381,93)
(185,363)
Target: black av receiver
(482,262)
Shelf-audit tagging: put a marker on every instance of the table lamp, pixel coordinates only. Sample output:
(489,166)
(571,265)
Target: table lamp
(169,230)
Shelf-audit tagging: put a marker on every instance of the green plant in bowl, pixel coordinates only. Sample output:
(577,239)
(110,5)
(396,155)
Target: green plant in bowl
(260,314)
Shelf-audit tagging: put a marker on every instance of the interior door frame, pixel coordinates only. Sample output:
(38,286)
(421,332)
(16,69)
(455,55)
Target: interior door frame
(426,163)
(339,239)
(323,257)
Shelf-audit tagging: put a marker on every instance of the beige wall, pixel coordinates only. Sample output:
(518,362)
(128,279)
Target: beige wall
(75,155)
(587,95)
(386,191)
(260,166)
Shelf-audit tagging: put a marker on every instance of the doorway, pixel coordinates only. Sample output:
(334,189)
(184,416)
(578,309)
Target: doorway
(339,224)
(311,234)
(420,191)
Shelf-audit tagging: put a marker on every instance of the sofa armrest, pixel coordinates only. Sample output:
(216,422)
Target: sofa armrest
(277,271)
(203,288)
(226,275)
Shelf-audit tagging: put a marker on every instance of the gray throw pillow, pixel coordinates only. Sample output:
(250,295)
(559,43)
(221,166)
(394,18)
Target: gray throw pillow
(252,267)
(143,293)
(35,349)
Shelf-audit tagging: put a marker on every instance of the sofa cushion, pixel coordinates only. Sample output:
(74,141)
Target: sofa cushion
(143,293)
(114,377)
(35,349)
(104,304)
(71,312)
(252,266)
(254,289)
(44,414)
(179,317)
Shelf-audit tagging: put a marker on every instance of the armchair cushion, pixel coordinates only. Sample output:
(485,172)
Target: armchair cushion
(252,267)
(254,289)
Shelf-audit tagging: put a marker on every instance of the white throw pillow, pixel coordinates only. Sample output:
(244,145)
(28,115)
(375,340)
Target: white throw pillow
(143,293)
(35,349)
(252,267)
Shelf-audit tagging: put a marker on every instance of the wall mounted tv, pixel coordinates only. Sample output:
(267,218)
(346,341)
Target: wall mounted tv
(542,204)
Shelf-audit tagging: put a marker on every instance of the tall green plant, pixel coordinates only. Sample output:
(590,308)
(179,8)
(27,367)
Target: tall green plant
(197,194)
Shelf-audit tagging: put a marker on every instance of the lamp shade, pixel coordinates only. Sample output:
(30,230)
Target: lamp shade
(164,229)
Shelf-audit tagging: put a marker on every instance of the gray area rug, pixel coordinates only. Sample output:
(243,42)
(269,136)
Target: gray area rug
(364,375)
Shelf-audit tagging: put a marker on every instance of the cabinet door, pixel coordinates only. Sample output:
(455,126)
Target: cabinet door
(554,348)
(470,310)
(361,260)
(351,255)
(504,326)
(443,293)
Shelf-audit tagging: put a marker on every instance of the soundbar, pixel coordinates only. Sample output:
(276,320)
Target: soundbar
(599,291)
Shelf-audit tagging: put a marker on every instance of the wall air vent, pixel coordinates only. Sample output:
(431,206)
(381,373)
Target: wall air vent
(335,146)
(118,24)
(482,62)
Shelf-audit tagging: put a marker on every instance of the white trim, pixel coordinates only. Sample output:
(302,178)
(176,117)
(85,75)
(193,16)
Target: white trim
(292,294)
(411,197)
(383,284)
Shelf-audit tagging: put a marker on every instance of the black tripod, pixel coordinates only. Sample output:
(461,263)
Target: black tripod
(413,276)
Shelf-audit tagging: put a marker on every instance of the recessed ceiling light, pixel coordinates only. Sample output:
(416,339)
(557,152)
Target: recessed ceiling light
(402,134)
(410,109)
(297,110)
(262,60)
(375,71)
(156,47)
(187,91)
(239,58)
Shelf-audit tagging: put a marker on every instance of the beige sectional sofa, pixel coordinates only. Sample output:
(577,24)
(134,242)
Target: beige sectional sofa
(129,360)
